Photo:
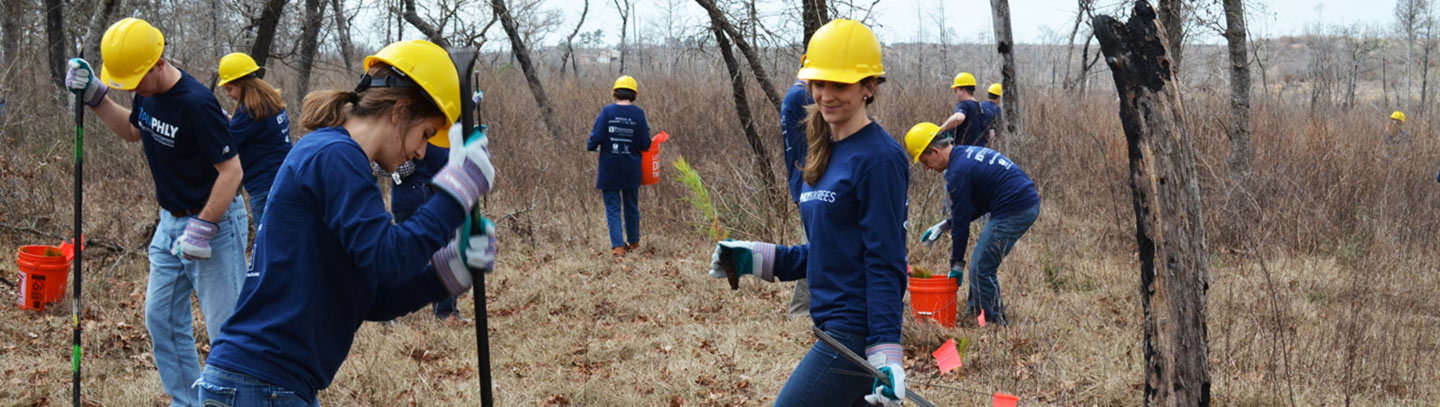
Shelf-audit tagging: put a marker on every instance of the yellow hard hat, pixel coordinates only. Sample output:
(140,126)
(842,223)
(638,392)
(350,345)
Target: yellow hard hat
(236,66)
(1398,115)
(430,67)
(996,90)
(920,137)
(963,79)
(842,51)
(626,82)
(129,49)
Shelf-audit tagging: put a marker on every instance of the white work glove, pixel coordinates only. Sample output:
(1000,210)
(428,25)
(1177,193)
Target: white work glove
(933,233)
(753,258)
(468,174)
(457,271)
(81,80)
(194,244)
(887,358)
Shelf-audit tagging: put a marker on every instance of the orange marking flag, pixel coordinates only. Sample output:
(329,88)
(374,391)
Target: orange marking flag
(981,318)
(1005,400)
(947,357)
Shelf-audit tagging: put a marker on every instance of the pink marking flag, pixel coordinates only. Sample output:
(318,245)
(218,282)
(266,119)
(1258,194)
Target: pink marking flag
(981,318)
(947,357)
(1005,400)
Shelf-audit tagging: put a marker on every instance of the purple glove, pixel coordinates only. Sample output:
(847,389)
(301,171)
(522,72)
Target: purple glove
(195,243)
(81,80)
(468,174)
(457,270)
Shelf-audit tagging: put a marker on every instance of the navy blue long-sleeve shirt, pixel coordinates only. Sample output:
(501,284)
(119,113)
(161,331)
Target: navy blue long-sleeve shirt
(326,259)
(855,220)
(792,128)
(263,143)
(990,119)
(414,190)
(980,181)
(620,133)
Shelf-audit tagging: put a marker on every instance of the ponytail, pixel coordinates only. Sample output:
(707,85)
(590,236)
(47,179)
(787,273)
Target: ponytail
(818,136)
(324,108)
(331,108)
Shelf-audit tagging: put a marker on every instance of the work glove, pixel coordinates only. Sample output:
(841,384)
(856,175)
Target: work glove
(478,97)
(957,270)
(195,242)
(81,80)
(468,173)
(753,258)
(887,358)
(933,233)
(456,267)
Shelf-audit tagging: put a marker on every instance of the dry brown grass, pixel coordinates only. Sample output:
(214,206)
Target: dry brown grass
(1325,297)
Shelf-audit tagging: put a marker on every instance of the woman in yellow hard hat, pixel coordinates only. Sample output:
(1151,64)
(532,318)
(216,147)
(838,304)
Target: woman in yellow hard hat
(1395,130)
(990,114)
(260,128)
(853,205)
(328,257)
(620,134)
(199,243)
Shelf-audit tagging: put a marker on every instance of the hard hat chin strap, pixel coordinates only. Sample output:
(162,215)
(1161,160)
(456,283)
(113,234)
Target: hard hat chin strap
(399,80)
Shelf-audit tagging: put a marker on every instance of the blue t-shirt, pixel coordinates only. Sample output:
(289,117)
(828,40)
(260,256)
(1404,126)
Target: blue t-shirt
(990,119)
(968,132)
(184,135)
(326,259)
(263,144)
(414,190)
(979,181)
(855,220)
(792,117)
(621,134)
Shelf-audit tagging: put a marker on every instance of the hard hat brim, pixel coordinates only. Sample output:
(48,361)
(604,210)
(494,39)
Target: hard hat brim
(122,82)
(241,75)
(440,139)
(820,74)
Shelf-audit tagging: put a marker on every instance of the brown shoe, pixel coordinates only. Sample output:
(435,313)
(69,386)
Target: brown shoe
(630,247)
(618,251)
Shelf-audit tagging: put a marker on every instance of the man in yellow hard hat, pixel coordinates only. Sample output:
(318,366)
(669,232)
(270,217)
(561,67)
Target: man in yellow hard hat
(199,244)
(964,122)
(990,113)
(1395,130)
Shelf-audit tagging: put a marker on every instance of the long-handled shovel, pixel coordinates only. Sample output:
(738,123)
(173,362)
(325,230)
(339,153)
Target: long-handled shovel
(465,62)
(870,370)
(79,244)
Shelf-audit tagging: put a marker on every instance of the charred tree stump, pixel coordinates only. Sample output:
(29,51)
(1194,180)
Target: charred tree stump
(1174,275)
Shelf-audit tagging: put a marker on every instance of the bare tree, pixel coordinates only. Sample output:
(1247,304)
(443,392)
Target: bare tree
(522,54)
(1240,151)
(1005,45)
(742,110)
(757,66)
(813,14)
(1409,16)
(626,9)
(99,21)
(1428,25)
(1083,13)
(434,33)
(342,28)
(265,33)
(1174,272)
(309,39)
(570,43)
(55,38)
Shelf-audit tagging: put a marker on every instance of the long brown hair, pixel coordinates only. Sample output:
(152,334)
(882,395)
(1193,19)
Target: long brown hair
(817,135)
(330,108)
(259,98)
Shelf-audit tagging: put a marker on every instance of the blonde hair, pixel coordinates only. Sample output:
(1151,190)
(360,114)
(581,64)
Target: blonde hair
(330,108)
(817,136)
(259,98)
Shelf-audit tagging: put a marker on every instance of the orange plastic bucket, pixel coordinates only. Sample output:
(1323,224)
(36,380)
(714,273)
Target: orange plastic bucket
(934,299)
(44,271)
(650,160)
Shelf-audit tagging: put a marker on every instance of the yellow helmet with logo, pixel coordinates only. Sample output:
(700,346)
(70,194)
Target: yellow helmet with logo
(920,137)
(1398,115)
(129,49)
(842,51)
(963,79)
(626,82)
(430,67)
(236,66)
(996,90)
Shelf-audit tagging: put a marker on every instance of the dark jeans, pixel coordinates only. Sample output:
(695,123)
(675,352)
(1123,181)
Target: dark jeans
(220,387)
(814,383)
(443,308)
(615,199)
(994,243)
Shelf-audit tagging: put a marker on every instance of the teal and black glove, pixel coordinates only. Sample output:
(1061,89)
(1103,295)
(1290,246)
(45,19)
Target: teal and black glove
(81,80)
(957,270)
(933,233)
(753,258)
(887,358)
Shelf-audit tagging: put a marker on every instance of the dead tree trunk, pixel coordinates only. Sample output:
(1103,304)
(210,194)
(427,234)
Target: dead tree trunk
(626,9)
(265,31)
(1172,17)
(1240,150)
(1174,275)
(814,13)
(10,38)
(309,37)
(55,37)
(1004,43)
(756,65)
(522,55)
(342,27)
(742,110)
(431,32)
(570,44)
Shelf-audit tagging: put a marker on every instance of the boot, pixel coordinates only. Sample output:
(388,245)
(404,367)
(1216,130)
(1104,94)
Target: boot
(618,251)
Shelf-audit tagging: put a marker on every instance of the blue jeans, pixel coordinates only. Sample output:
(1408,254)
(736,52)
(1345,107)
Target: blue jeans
(814,383)
(216,281)
(443,308)
(614,200)
(257,205)
(994,243)
(220,387)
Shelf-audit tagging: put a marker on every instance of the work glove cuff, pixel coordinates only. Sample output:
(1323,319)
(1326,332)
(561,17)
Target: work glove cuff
(452,269)
(884,353)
